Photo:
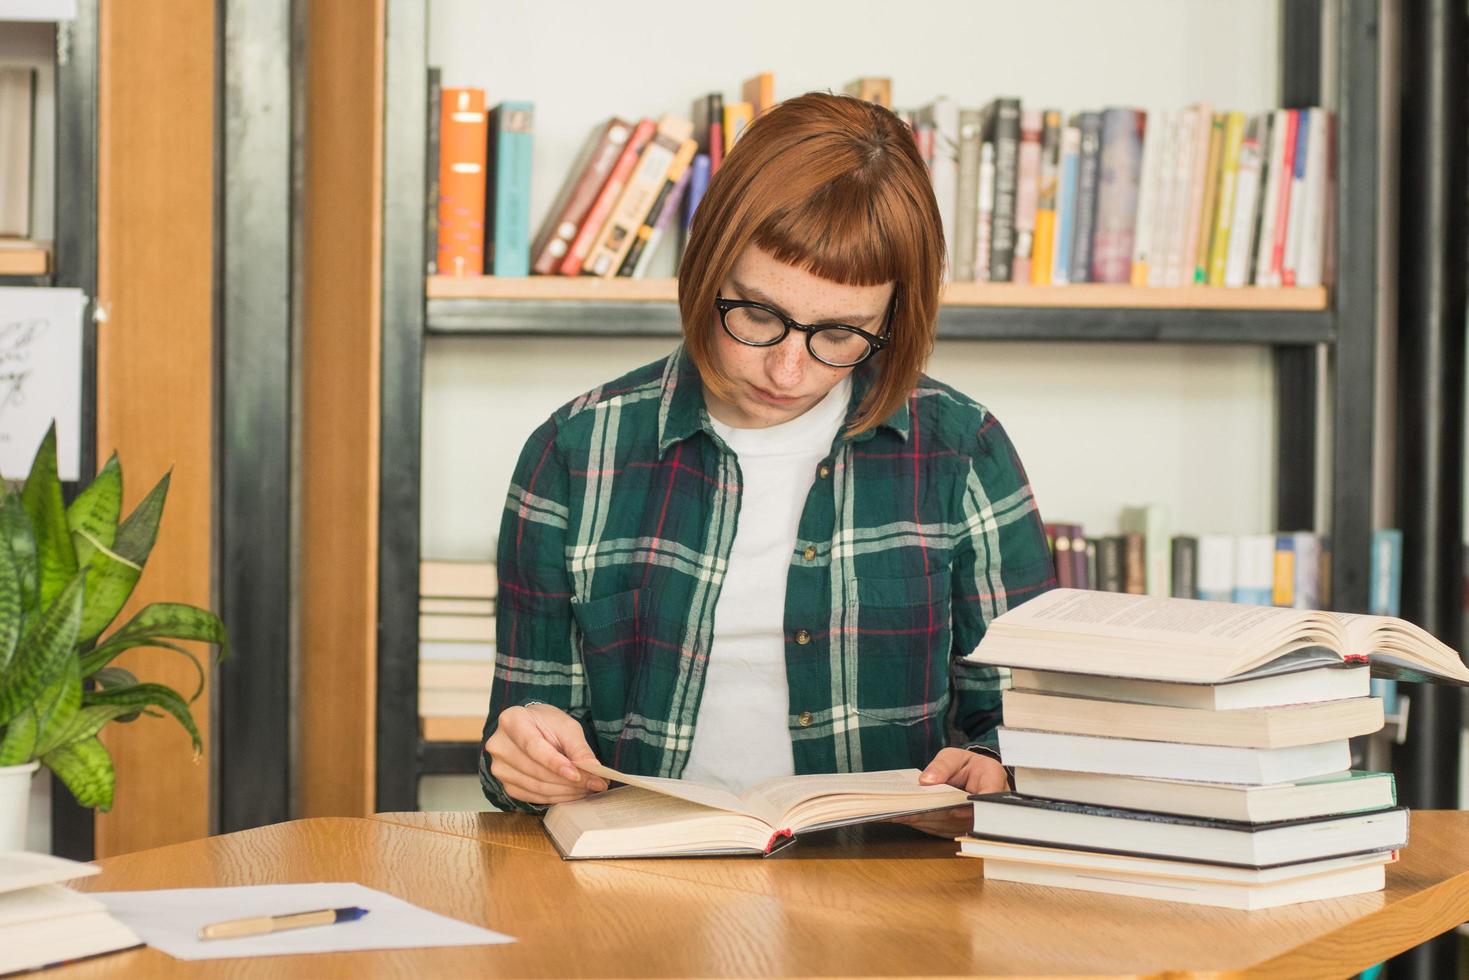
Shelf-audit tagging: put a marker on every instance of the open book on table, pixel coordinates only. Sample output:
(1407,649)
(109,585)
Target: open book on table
(651,816)
(1196,642)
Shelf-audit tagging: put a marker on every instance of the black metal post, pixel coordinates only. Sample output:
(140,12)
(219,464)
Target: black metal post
(1431,324)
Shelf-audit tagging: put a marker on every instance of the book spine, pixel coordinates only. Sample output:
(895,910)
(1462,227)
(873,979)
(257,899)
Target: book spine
(1111,564)
(1007,166)
(1134,563)
(1144,239)
(1283,593)
(1078,558)
(737,115)
(759,92)
(984,212)
(597,215)
(1310,266)
(666,218)
(1246,207)
(871,89)
(463,144)
(431,174)
(1234,128)
(579,193)
(1060,537)
(1066,203)
(1308,571)
(1254,570)
(508,237)
(698,184)
(1202,126)
(1091,564)
(717,142)
(1211,198)
(1174,220)
(965,234)
(1216,568)
(1270,182)
(647,179)
(1282,204)
(1027,190)
(943,116)
(1385,590)
(1185,583)
(1293,226)
(1043,260)
(1086,197)
(642,237)
(1117,190)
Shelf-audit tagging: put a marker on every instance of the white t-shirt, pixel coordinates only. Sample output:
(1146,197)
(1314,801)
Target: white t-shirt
(741,733)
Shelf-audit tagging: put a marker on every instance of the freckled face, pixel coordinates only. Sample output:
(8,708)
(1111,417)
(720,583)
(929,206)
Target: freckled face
(775,384)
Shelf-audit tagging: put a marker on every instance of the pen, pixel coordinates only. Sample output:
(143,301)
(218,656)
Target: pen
(258,925)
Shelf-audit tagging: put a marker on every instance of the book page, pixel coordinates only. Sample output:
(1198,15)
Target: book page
(1398,648)
(681,789)
(890,790)
(628,808)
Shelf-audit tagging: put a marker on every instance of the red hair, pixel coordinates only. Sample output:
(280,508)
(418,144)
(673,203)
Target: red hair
(835,186)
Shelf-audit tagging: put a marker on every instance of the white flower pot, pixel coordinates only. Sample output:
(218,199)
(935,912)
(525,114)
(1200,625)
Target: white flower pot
(15,802)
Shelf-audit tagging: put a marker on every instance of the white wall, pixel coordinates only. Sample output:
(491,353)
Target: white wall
(1097,426)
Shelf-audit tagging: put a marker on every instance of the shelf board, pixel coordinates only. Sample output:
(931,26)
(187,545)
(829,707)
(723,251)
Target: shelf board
(589,306)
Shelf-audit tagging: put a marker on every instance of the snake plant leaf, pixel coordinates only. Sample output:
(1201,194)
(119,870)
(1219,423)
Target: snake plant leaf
(44,651)
(92,516)
(159,621)
(114,677)
(136,534)
(141,696)
(88,722)
(56,713)
(86,769)
(41,496)
(110,581)
(21,737)
(16,534)
(12,604)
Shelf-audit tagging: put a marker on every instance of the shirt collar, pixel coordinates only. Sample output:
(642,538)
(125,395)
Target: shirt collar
(681,411)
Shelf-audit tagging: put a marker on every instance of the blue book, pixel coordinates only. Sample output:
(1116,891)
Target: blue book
(698,183)
(1385,589)
(507,199)
(1066,202)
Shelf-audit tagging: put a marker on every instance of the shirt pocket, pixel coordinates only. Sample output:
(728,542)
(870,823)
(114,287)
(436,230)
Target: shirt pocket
(903,641)
(611,641)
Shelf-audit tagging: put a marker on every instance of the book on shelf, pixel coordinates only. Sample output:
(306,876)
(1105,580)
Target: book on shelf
(1119,173)
(1147,235)
(464,703)
(457,607)
(1193,641)
(1384,591)
(507,214)
(1319,796)
(1229,153)
(759,91)
(17,148)
(1070,151)
(1111,564)
(1087,184)
(1278,726)
(1004,118)
(1221,886)
(22,257)
(435,86)
(671,141)
(1254,569)
(1183,565)
(942,116)
(1134,562)
(655,817)
(606,199)
(1244,224)
(459,651)
(737,116)
(708,117)
(1027,193)
(463,146)
(1209,205)
(584,180)
(448,675)
(469,629)
(1290,256)
(43,923)
(1289,685)
(452,728)
(984,210)
(1082,826)
(673,180)
(1216,568)
(871,88)
(1310,261)
(663,216)
(457,579)
(1044,247)
(699,172)
(1152,523)
(966,230)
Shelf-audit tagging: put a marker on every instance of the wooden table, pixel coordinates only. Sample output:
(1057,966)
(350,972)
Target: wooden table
(873,901)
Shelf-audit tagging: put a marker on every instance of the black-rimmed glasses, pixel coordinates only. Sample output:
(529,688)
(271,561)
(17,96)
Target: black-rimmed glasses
(833,344)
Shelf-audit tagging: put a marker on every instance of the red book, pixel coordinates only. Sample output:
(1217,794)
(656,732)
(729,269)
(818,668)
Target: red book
(586,235)
(583,182)
(1282,208)
(463,145)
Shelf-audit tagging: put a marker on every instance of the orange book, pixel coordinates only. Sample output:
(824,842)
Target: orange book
(759,92)
(1043,249)
(591,227)
(463,146)
(737,115)
(871,89)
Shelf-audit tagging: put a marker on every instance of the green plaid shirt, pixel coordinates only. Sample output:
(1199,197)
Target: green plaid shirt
(617,534)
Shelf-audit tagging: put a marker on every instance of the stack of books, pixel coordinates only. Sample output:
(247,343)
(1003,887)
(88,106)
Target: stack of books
(456,647)
(44,923)
(1194,751)
(19,254)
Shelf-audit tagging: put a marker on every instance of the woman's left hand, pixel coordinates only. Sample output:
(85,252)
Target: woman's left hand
(971,772)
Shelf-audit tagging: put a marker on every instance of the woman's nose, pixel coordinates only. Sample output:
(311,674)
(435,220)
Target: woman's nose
(787,360)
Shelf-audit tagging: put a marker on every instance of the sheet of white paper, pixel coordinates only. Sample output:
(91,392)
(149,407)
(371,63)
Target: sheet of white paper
(38,9)
(40,376)
(170,919)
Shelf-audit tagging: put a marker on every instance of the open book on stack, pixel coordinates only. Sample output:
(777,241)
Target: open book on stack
(1157,741)
(651,816)
(44,923)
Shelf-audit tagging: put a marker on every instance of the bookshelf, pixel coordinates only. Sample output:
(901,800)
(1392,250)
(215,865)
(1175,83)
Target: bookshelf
(69,259)
(1320,344)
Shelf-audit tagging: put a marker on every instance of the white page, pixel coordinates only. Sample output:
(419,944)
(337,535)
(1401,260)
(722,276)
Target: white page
(40,376)
(682,789)
(170,920)
(26,869)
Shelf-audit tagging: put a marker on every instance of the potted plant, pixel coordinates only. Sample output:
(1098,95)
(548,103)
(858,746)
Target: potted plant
(65,573)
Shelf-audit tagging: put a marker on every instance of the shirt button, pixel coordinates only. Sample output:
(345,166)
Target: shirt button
(803,637)
(810,553)
(823,471)
(805,719)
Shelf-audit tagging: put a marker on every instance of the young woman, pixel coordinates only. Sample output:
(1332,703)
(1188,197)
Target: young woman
(765,553)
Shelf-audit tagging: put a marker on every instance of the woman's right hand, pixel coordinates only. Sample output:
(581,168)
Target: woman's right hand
(534,752)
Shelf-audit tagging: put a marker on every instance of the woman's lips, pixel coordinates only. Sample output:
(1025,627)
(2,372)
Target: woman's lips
(773,398)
